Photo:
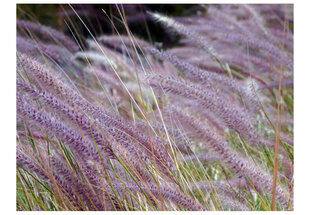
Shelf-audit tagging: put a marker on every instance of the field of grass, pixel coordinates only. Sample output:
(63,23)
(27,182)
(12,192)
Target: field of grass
(114,121)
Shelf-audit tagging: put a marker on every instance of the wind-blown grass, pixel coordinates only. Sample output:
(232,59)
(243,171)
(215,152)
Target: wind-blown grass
(121,125)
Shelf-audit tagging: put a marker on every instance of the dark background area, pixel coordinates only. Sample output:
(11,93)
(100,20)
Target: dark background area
(140,23)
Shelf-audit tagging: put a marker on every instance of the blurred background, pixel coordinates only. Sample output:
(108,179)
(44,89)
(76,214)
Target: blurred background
(56,16)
